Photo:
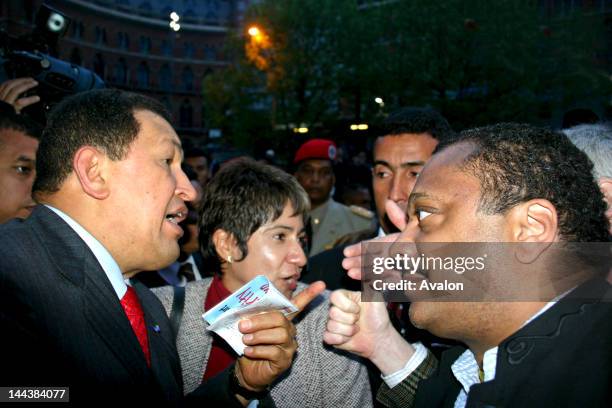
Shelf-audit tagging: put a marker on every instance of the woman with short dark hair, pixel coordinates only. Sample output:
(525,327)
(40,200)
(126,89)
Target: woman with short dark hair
(252,223)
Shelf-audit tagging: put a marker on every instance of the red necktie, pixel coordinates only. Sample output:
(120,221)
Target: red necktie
(133,310)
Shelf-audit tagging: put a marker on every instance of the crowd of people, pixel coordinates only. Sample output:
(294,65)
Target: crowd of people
(117,236)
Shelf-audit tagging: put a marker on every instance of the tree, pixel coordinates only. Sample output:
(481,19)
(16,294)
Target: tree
(477,61)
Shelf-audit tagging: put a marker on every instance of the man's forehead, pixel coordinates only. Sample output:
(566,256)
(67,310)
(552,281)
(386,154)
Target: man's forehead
(444,173)
(404,144)
(316,163)
(17,142)
(157,127)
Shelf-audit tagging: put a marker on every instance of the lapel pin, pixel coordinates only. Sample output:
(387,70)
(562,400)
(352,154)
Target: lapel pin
(156,328)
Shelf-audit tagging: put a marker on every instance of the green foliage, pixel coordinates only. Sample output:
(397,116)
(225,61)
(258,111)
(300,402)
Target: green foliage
(477,61)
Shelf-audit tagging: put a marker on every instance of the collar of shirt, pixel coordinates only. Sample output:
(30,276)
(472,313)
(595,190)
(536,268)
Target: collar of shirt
(196,271)
(170,274)
(108,264)
(381,233)
(465,368)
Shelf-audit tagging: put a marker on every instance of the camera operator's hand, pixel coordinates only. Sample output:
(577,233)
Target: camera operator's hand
(11,90)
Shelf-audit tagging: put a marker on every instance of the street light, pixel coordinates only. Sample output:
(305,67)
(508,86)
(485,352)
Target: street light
(174,18)
(258,49)
(254,31)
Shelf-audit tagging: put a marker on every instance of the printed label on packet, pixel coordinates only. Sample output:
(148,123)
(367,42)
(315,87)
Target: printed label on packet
(257,296)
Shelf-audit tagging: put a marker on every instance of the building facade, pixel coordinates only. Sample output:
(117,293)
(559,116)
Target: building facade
(130,45)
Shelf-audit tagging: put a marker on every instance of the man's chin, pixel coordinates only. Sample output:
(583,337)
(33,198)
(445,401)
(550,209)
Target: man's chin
(166,257)
(420,313)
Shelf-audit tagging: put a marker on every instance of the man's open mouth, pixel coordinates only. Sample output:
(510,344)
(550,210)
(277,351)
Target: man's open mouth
(177,217)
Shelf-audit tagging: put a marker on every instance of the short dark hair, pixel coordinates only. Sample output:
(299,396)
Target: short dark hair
(417,120)
(517,162)
(240,198)
(103,118)
(20,123)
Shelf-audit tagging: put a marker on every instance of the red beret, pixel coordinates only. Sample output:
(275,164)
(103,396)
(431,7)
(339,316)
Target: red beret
(316,149)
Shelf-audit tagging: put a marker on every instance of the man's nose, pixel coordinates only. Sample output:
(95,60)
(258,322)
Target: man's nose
(400,188)
(184,188)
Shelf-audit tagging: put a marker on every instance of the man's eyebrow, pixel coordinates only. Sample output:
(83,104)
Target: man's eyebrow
(25,159)
(403,165)
(178,145)
(413,163)
(415,196)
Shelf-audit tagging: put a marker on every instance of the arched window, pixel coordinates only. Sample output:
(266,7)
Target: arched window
(143,75)
(99,65)
(187,79)
(121,72)
(75,56)
(168,104)
(100,35)
(165,78)
(77,30)
(145,45)
(166,48)
(189,50)
(210,53)
(186,114)
(123,41)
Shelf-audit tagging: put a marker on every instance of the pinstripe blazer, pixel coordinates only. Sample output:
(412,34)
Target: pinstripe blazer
(63,325)
(320,376)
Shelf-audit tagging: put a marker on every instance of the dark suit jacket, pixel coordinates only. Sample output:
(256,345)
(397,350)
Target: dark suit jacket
(63,324)
(563,358)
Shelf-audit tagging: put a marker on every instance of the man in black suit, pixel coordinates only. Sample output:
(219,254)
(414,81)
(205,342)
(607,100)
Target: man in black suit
(543,335)
(408,139)
(112,193)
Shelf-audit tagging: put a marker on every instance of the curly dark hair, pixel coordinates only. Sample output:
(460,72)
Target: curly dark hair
(103,118)
(240,198)
(517,162)
(417,120)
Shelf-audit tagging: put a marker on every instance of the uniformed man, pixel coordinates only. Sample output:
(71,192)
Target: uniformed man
(329,219)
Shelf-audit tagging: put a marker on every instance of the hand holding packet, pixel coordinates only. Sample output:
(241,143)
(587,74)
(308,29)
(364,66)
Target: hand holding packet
(257,296)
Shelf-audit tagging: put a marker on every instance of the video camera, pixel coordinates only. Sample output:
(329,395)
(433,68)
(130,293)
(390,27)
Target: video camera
(30,56)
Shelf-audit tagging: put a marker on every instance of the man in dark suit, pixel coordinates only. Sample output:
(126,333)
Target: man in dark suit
(543,337)
(112,193)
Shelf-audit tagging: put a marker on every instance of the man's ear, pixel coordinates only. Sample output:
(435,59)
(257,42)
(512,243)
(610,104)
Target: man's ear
(90,167)
(605,185)
(534,227)
(225,245)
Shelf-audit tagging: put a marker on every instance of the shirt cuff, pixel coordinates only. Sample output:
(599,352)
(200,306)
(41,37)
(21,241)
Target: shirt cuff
(393,379)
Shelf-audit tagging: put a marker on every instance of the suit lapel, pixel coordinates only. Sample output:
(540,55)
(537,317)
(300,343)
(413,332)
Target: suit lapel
(106,316)
(164,359)
(101,307)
